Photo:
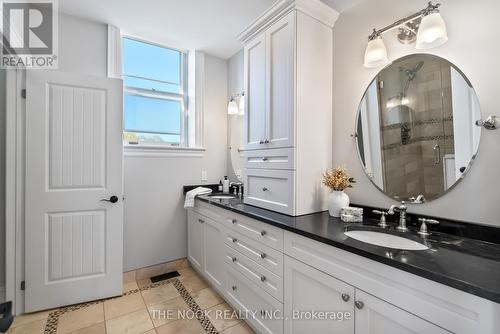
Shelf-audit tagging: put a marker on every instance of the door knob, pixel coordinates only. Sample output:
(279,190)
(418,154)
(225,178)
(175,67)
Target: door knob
(265,189)
(112,199)
(359,304)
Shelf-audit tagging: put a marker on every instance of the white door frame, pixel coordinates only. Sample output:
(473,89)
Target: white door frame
(14,192)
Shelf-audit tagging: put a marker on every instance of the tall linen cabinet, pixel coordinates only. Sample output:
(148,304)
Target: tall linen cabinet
(288,106)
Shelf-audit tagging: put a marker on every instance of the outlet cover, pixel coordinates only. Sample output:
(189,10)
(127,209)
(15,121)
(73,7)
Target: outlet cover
(204,176)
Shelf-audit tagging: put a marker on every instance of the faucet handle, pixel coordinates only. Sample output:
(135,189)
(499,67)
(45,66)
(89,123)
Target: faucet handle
(382,223)
(423,228)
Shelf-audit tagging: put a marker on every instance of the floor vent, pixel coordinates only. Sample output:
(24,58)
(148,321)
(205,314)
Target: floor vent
(165,276)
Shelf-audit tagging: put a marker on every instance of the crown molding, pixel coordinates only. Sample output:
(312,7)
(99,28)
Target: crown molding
(314,8)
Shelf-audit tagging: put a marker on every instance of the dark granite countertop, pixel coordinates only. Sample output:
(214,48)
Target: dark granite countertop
(463,263)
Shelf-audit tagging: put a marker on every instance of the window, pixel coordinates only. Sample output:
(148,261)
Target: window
(155,94)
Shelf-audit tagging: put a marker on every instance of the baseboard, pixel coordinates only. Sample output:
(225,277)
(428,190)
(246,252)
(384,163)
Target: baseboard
(2,294)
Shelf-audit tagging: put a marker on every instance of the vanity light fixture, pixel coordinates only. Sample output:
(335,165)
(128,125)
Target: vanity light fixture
(236,105)
(426,27)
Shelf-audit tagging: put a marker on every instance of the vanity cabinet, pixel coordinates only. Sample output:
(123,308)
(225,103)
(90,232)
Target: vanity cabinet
(288,91)
(196,240)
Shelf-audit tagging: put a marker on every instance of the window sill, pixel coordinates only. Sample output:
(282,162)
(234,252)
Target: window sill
(161,151)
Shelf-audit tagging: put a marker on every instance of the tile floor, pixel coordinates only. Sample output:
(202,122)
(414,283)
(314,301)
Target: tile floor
(137,310)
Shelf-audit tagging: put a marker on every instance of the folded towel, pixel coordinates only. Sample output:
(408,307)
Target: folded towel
(190,195)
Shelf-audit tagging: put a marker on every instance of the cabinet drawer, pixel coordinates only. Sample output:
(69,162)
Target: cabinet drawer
(260,276)
(270,189)
(267,257)
(269,235)
(281,158)
(261,310)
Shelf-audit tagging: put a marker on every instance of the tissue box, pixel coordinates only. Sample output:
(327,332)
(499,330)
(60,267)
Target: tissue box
(352,211)
(346,218)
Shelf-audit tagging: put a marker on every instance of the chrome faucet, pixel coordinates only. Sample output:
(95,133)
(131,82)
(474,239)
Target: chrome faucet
(402,215)
(239,185)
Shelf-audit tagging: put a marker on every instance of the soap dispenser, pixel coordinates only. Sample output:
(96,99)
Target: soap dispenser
(225,185)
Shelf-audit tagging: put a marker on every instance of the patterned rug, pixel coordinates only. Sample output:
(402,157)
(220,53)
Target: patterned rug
(53,318)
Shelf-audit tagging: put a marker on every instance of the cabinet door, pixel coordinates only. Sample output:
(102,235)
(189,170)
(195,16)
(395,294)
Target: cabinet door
(375,316)
(307,290)
(280,68)
(255,82)
(214,253)
(195,240)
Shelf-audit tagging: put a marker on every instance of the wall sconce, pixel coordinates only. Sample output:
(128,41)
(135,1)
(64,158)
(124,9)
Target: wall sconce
(236,105)
(426,27)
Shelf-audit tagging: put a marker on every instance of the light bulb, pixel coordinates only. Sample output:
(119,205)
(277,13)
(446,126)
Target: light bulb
(375,53)
(432,32)
(241,105)
(232,107)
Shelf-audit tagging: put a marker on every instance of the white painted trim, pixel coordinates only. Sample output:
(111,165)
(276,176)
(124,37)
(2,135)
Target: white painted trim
(114,52)
(14,172)
(314,8)
(162,151)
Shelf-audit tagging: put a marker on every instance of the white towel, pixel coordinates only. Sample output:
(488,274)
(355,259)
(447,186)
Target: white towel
(190,195)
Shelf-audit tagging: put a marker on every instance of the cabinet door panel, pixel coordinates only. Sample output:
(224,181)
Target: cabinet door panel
(379,317)
(307,289)
(214,253)
(195,240)
(280,65)
(255,82)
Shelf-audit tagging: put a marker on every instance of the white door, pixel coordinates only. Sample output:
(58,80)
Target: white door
(375,316)
(74,239)
(195,240)
(280,68)
(214,253)
(307,289)
(255,82)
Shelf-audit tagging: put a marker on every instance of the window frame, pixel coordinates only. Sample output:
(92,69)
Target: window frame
(182,97)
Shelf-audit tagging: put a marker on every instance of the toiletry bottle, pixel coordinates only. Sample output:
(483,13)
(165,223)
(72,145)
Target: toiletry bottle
(220,186)
(225,185)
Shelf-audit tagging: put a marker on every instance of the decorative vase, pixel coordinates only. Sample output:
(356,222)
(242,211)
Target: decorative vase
(337,200)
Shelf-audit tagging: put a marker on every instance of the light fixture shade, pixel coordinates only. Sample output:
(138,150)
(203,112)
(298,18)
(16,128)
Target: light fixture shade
(375,53)
(241,105)
(432,32)
(232,108)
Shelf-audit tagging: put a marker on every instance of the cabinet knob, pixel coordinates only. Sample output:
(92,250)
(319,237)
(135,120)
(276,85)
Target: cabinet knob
(263,233)
(359,304)
(265,189)
(264,159)
(261,142)
(234,259)
(263,255)
(266,141)
(201,221)
(234,239)
(234,287)
(262,278)
(345,297)
(234,221)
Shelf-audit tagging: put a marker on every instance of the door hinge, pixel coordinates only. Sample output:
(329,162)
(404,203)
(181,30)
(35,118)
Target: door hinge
(23,285)
(23,93)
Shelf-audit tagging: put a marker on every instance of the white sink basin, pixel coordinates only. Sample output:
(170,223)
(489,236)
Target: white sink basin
(385,240)
(222,196)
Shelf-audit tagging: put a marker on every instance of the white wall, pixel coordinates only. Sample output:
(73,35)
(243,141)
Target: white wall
(2,182)
(472,48)
(235,85)
(155,220)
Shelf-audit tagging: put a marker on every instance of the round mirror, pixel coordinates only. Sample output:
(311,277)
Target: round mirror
(416,132)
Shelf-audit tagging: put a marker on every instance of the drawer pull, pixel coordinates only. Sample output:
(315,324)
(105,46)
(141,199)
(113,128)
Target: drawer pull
(234,240)
(234,221)
(263,233)
(261,142)
(201,221)
(264,159)
(359,304)
(234,287)
(266,141)
(262,278)
(263,255)
(233,259)
(345,297)
(265,189)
